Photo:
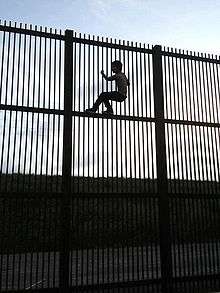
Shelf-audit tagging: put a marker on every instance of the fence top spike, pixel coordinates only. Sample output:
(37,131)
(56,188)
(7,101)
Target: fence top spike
(157,47)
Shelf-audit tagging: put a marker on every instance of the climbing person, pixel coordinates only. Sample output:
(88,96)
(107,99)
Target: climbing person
(121,89)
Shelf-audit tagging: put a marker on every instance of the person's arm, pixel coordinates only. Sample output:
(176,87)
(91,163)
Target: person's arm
(110,78)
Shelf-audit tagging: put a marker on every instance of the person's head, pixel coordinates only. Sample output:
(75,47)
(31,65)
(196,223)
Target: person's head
(116,66)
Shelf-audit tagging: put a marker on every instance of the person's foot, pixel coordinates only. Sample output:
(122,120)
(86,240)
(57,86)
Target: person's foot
(90,111)
(108,112)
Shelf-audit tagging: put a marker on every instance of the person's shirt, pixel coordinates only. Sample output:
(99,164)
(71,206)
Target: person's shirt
(121,82)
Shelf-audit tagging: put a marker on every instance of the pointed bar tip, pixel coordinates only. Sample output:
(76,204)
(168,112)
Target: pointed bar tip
(157,47)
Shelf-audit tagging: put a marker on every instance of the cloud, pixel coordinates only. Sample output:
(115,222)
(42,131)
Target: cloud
(100,8)
(105,9)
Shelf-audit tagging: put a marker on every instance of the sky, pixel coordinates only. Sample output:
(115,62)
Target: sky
(193,25)
(189,24)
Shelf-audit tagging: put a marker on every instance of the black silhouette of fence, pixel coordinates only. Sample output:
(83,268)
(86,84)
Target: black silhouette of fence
(91,202)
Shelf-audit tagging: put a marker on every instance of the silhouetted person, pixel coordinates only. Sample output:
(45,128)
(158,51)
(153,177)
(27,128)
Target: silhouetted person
(119,95)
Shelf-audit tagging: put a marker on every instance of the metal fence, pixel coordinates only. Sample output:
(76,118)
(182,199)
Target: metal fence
(122,203)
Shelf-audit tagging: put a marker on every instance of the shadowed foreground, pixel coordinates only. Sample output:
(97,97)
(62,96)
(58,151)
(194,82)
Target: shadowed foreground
(108,266)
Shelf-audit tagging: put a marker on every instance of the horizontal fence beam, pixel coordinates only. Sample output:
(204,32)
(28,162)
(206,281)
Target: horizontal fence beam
(128,285)
(192,123)
(59,195)
(74,113)
(30,32)
(31,109)
(97,115)
(31,195)
(191,57)
(76,195)
(79,40)
(108,44)
(115,117)
(197,278)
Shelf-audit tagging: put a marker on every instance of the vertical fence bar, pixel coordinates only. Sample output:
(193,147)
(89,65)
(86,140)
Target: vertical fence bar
(165,242)
(59,55)
(66,167)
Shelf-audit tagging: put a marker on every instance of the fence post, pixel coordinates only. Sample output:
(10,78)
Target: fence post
(164,224)
(65,207)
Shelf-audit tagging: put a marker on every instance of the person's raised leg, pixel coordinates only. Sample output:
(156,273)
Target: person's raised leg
(112,96)
(103,98)
(100,99)
(108,106)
